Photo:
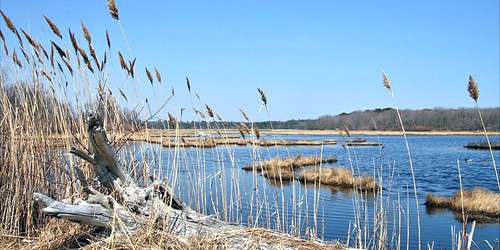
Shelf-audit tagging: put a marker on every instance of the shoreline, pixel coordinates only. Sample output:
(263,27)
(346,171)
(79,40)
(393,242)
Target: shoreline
(374,132)
(328,132)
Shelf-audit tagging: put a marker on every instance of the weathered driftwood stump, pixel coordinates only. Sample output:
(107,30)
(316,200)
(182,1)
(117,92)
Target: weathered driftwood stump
(127,207)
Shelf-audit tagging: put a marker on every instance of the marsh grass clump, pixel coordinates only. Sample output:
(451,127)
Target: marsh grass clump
(339,177)
(495,145)
(478,203)
(289,163)
(284,174)
(164,239)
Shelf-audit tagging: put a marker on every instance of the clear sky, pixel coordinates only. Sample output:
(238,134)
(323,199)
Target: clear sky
(311,57)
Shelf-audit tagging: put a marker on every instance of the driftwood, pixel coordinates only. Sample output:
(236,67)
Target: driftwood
(126,207)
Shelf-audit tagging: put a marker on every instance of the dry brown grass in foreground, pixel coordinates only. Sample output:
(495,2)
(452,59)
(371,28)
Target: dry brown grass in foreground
(339,177)
(154,239)
(478,204)
(61,234)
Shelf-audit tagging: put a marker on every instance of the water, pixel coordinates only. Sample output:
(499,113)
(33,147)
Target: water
(435,163)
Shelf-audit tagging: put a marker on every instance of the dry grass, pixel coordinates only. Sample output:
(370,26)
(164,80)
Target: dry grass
(284,174)
(290,163)
(56,234)
(478,203)
(283,169)
(60,234)
(188,139)
(339,177)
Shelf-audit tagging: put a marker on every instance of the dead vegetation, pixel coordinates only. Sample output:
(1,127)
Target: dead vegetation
(478,204)
(210,141)
(287,170)
(289,163)
(339,177)
(61,234)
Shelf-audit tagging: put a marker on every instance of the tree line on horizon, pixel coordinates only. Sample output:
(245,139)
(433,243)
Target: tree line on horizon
(435,119)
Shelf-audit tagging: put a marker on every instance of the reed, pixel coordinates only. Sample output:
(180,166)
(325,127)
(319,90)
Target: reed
(388,85)
(53,27)
(473,90)
(113,10)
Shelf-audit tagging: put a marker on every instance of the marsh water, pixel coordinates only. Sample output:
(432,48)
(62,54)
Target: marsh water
(238,196)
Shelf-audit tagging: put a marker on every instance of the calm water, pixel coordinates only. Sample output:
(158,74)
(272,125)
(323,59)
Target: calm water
(435,163)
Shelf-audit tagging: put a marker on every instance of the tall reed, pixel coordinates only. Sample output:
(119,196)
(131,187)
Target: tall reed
(388,85)
(473,90)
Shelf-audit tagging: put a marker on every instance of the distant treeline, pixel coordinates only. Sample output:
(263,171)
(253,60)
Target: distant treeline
(440,119)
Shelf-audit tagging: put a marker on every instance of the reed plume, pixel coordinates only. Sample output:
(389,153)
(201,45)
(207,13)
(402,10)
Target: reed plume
(150,77)
(94,56)
(44,51)
(199,113)
(46,75)
(53,27)
(11,26)
(387,82)
(19,39)
(86,59)
(104,60)
(60,67)
(5,49)
(68,65)
(123,64)
(8,22)
(86,32)
(26,57)
(108,41)
(171,120)
(131,67)
(263,96)
(210,111)
(30,40)
(473,89)
(15,59)
(188,84)
(245,115)
(158,76)
(113,10)
(52,55)
(60,51)
(123,95)
(73,41)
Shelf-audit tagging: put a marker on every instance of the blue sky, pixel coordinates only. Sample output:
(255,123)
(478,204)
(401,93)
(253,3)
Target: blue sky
(311,57)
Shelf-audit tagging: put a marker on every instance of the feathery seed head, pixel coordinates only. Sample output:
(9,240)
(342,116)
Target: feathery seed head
(473,89)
